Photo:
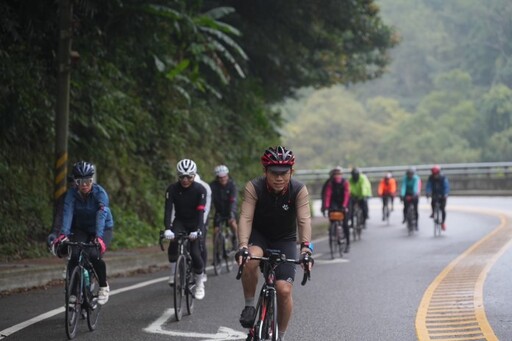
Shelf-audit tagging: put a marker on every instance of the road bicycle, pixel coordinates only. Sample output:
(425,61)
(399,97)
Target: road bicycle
(358,222)
(82,287)
(265,326)
(437,216)
(410,216)
(336,235)
(223,248)
(184,283)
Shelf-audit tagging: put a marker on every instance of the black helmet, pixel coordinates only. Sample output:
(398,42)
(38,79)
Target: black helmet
(83,169)
(355,173)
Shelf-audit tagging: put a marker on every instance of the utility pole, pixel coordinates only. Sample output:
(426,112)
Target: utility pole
(62,104)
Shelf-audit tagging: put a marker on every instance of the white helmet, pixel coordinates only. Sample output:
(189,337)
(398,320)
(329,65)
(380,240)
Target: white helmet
(221,170)
(186,167)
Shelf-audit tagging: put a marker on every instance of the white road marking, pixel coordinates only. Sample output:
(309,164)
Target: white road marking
(224,333)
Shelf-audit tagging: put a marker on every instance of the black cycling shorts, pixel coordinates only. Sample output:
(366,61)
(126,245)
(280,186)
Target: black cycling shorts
(285,271)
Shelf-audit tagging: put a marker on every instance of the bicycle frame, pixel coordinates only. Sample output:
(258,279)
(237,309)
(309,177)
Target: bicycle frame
(183,278)
(85,294)
(265,328)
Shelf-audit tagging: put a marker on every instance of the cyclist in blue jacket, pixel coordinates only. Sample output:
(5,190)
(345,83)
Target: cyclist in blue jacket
(438,188)
(87,217)
(411,187)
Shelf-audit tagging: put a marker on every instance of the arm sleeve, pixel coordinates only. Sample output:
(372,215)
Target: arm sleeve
(428,188)
(200,207)
(68,211)
(168,209)
(346,199)
(392,186)
(328,195)
(303,216)
(247,215)
(403,187)
(234,200)
(380,189)
(446,186)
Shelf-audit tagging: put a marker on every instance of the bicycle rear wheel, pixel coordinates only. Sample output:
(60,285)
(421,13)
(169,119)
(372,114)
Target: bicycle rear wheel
(73,304)
(218,253)
(179,287)
(410,220)
(340,237)
(93,308)
(332,239)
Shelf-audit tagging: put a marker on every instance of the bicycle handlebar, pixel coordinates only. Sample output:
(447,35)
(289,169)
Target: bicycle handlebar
(177,235)
(81,244)
(282,259)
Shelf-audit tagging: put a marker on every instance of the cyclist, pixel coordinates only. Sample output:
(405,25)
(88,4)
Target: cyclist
(411,187)
(336,197)
(387,190)
(185,201)
(274,208)
(204,251)
(86,217)
(360,191)
(224,195)
(438,188)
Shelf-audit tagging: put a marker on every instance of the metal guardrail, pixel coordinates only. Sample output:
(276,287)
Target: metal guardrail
(490,169)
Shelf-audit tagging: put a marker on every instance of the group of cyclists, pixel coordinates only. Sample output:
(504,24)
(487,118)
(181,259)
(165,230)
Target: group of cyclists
(275,214)
(340,194)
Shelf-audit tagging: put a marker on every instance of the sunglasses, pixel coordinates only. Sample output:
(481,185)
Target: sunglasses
(83,181)
(185,176)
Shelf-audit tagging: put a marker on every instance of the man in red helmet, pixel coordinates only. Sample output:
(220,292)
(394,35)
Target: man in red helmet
(275,207)
(438,188)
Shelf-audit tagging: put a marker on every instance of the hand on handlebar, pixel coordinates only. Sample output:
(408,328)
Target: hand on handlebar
(193,235)
(242,255)
(168,234)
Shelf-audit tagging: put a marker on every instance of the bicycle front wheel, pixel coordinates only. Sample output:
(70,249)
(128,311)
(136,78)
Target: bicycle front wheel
(179,287)
(189,290)
(437,221)
(218,253)
(91,294)
(73,304)
(270,329)
(229,255)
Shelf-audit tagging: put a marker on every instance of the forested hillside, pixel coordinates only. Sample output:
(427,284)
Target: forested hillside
(446,98)
(158,81)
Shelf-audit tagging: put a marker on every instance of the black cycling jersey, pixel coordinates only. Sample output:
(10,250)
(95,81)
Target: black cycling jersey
(188,204)
(224,198)
(275,215)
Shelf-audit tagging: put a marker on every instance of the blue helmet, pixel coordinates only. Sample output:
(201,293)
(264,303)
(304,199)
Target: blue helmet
(83,169)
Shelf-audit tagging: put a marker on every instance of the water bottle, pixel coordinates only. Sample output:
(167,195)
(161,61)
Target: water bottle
(87,281)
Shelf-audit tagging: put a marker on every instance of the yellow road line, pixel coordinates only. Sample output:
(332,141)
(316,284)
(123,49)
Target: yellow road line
(452,307)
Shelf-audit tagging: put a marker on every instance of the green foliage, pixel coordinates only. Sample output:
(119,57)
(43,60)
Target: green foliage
(157,82)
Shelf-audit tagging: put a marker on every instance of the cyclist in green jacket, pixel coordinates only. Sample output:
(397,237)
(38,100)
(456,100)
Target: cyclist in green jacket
(360,191)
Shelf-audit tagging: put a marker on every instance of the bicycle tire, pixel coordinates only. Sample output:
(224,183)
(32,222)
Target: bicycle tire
(437,220)
(218,255)
(228,256)
(410,219)
(386,213)
(179,287)
(91,297)
(73,310)
(270,326)
(360,223)
(189,289)
(332,238)
(340,239)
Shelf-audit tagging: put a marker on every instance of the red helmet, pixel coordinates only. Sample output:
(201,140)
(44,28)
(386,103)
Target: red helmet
(436,170)
(278,156)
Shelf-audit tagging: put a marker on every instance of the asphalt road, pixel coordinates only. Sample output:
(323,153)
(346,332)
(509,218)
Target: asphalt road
(372,294)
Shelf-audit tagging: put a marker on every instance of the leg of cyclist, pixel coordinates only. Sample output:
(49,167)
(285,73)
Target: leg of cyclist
(101,268)
(415,201)
(204,251)
(249,284)
(351,211)
(364,203)
(346,231)
(198,267)
(406,206)
(384,201)
(392,203)
(433,205)
(442,204)
(285,275)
